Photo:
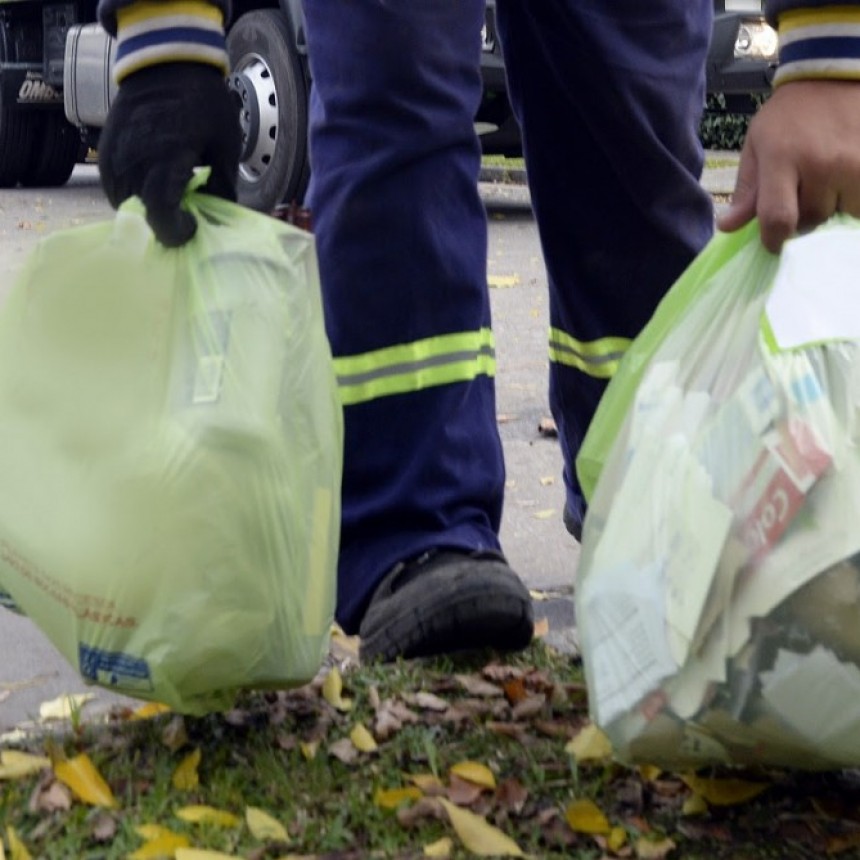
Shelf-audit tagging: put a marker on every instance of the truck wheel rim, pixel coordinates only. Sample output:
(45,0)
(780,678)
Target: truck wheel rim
(253,82)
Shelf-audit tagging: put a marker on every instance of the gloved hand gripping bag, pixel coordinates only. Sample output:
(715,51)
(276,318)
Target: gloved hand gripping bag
(718,589)
(170,455)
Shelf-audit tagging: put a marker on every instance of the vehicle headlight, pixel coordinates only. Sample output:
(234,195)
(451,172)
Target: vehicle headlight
(756,41)
(487,41)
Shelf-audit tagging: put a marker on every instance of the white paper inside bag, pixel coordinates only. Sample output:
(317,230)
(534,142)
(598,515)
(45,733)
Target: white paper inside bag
(816,292)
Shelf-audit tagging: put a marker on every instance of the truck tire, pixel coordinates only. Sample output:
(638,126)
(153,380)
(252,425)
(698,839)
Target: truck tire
(54,154)
(17,135)
(269,78)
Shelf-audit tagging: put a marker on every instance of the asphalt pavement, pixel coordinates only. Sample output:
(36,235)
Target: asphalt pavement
(32,672)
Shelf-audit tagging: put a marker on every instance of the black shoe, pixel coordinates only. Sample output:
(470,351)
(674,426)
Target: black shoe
(573,526)
(446,602)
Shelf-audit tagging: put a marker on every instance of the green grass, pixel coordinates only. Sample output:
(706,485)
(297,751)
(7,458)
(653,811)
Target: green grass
(252,756)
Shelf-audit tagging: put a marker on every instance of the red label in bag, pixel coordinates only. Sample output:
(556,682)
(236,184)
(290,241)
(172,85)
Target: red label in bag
(774,490)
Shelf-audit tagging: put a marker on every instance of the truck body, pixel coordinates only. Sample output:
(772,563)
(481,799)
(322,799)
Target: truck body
(56,87)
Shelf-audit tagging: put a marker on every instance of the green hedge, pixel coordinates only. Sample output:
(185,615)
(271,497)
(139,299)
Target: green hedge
(724,125)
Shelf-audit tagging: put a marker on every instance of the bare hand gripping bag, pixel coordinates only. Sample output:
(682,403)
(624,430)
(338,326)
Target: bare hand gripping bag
(170,455)
(718,591)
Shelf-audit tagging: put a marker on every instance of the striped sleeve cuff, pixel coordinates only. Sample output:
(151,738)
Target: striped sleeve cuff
(150,32)
(822,42)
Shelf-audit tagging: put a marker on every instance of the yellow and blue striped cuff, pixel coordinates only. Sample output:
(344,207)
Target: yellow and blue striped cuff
(819,43)
(151,32)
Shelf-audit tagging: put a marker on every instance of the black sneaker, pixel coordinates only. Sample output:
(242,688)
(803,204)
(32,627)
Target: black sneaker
(446,602)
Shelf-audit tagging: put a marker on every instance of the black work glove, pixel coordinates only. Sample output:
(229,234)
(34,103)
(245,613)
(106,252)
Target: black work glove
(166,120)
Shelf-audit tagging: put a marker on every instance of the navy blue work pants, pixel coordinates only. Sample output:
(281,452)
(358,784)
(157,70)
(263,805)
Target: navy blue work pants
(608,94)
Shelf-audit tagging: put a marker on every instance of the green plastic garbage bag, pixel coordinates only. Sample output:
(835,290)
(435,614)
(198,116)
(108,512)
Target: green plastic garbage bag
(718,590)
(170,455)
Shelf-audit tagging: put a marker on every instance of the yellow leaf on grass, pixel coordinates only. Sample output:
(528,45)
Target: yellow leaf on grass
(616,839)
(17,765)
(724,792)
(17,849)
(362,739)
(425,781)
(585,816)
(309,749)
(164,845)
(591,744)
(203,854)
(541,628)
(478,835)
(332,690)
(208,815)
(653,849)
(186,777)
(149,710)
(474,771)
(391,798)
(63,706)
(649,772)
(149,832)
(264,827)
(695,804)
(86,783)
(440,848)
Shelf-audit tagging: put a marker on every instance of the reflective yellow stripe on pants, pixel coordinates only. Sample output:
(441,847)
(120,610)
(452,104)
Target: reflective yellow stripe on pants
(597,358)
(415,366)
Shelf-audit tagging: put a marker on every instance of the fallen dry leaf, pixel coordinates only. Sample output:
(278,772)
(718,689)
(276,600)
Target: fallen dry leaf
(362,739)
(474,772)
(392,798)
(265,827)
(203,854)
(309,749)
(429,783)
(440,848)
(174,735)
(17,849)
(332,691)
(165,844)
(462,792)
(63,706)
(344,750)
(585,816)
(616,839)
(17,765)
(86,783)
(478,835)
(149,711)
(529,707)
(201,814)
(503,281)
(186,776)
(695,804)
(511,795)
(427,701)
(590,744)
(541,628)
(50,796)
(104,827)
(724,792)
(476,686)
(653,849)
(391,717)
(427,807)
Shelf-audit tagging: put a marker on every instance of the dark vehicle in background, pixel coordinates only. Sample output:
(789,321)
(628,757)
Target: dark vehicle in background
(56,88)
(743,55)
